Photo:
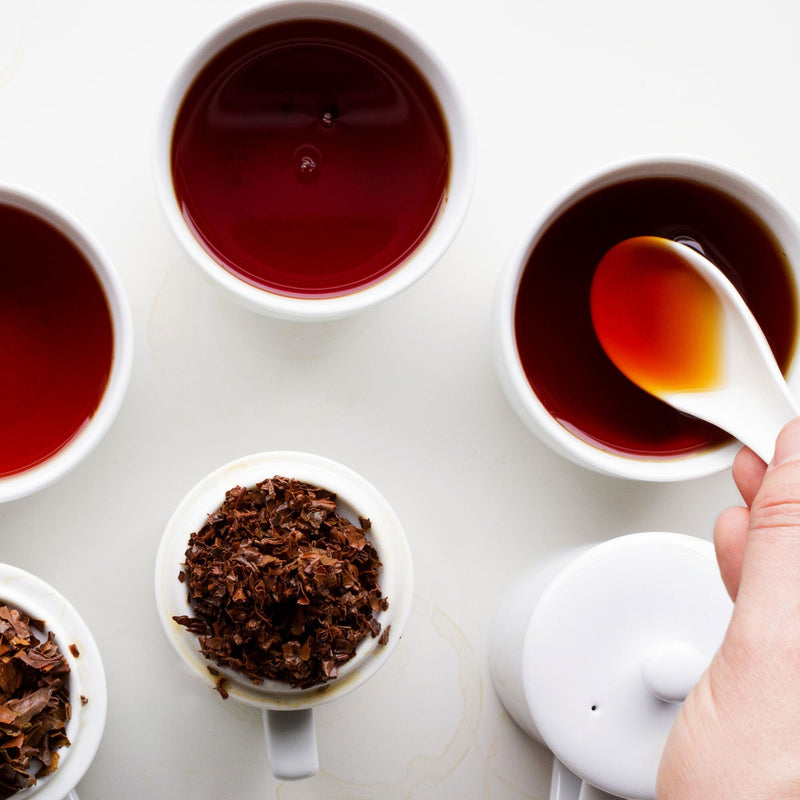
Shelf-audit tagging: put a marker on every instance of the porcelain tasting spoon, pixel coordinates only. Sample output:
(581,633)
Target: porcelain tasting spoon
(676,326)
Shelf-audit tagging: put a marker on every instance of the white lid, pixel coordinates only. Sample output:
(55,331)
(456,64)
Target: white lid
(616,641)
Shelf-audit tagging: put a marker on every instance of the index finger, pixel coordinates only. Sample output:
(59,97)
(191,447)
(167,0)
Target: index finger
(748,474)
(768,600)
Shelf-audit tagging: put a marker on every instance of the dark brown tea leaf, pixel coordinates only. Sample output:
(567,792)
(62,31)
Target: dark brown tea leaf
(282,587)
(34,702)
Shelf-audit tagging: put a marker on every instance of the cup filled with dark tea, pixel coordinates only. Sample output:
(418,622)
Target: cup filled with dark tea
(550,360)
(284,580)
(313,158)
(65,343)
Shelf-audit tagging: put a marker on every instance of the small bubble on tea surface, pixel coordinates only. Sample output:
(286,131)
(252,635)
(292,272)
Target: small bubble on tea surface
(308,170)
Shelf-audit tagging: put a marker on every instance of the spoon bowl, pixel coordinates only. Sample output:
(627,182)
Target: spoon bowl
(677,327)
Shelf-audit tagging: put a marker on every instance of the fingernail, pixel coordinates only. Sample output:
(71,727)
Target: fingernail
(787,448)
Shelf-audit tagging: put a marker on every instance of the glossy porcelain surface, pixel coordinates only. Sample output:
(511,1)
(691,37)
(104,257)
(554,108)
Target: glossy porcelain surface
(458,190)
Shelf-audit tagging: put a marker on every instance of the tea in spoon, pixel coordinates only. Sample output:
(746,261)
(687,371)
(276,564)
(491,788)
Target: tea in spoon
(676,326)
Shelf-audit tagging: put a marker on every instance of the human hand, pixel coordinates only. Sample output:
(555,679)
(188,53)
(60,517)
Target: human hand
(737,736)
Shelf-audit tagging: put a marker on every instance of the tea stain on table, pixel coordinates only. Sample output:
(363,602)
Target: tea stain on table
(16,24)
(160,300)
(433,646)
(516,766)
(186,292)
(193,331)
(295,341)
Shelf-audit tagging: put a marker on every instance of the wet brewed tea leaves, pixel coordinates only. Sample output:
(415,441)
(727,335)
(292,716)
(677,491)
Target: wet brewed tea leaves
(34,702)
(282,587)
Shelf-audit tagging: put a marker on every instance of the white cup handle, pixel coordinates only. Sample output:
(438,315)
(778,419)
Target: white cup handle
(291,743)
(566,785)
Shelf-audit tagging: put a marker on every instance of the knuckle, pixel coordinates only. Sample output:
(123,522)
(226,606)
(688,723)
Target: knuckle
(777,507)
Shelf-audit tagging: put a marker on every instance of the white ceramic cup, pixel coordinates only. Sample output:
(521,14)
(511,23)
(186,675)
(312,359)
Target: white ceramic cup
(593,650)
(458,190)
(37,599)
(522,396)
(60,463)
(287,711)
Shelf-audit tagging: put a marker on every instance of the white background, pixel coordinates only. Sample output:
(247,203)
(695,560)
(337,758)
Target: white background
(405,394)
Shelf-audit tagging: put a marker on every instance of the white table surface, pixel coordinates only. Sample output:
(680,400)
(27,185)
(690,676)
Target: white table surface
(405,394)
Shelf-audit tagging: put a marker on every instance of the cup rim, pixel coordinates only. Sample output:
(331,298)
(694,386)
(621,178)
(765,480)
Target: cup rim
(509,368)
(39,600)
(386,534)
(87,438)
(457,195)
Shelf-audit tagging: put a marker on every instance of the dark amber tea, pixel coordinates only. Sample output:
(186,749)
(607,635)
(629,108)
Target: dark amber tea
(56,340)
(310,158)
(556,339)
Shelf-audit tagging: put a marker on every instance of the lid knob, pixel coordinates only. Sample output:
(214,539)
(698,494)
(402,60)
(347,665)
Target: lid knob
(672,669)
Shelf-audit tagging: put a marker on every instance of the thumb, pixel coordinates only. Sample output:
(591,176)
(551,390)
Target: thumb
(769,591)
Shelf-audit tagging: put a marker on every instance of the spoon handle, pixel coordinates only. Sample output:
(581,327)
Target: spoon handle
(763,430)
(754,401)
(754,418)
